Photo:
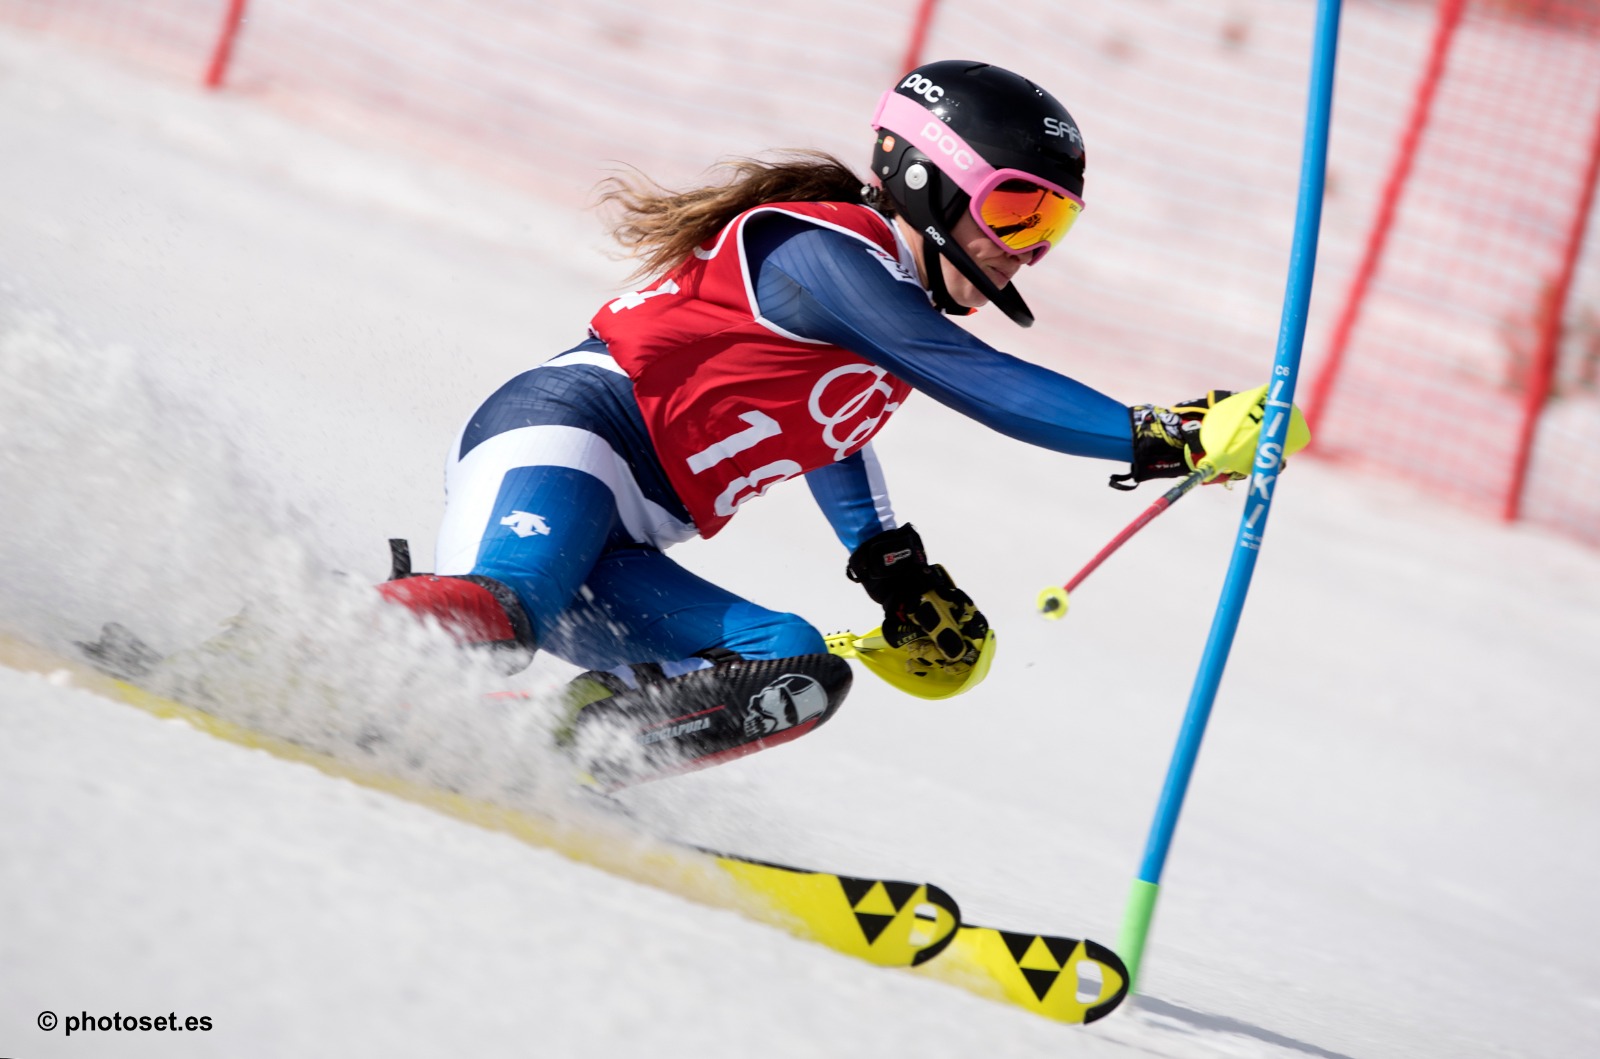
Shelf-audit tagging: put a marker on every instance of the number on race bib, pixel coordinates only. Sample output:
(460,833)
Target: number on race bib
(639,297)
(755,483)
(761,427)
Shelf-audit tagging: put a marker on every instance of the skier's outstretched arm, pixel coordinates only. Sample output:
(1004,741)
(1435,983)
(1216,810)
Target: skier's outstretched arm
(825,285)
(853,496)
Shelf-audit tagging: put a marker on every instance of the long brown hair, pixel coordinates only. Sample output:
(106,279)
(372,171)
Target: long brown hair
(662,227)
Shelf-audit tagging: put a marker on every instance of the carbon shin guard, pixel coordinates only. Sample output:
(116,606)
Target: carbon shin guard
(704,718)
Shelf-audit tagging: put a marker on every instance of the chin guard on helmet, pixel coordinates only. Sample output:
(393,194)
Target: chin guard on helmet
(932,204)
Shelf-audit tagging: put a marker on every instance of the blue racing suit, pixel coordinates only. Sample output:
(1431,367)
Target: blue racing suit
(556,491)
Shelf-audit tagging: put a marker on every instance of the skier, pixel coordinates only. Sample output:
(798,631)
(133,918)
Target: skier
(790,311)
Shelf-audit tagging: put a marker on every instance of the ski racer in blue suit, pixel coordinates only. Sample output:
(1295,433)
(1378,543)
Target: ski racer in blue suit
(790,312)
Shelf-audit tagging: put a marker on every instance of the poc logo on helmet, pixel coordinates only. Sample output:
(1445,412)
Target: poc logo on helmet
(934,132)
(923,87)
(1057,127)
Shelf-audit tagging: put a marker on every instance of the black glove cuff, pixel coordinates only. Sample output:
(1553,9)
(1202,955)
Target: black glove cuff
(1162,438)
(891,565)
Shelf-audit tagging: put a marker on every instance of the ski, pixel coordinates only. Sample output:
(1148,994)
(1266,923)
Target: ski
(884,922)
(1065,979)
(902,924)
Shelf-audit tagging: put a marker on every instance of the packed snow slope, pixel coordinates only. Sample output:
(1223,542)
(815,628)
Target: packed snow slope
(231,357)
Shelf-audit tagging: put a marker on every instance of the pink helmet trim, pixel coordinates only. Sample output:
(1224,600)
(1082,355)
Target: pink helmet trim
(916,123)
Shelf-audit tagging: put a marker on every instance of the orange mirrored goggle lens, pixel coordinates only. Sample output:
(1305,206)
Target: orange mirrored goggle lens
(1021,214)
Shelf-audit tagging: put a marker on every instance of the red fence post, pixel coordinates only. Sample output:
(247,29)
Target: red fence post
(224,49)
(1543,369)
(1422,107)
(919,35)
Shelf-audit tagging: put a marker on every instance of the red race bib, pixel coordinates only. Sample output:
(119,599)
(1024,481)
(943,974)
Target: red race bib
(735,404)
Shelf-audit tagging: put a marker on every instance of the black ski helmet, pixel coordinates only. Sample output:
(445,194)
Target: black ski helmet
(1008,120)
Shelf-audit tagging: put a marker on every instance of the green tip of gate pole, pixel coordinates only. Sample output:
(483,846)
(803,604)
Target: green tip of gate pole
(1136,926)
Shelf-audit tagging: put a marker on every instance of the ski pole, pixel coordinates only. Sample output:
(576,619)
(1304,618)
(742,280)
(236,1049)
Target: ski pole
(1053,601)
(1277,416)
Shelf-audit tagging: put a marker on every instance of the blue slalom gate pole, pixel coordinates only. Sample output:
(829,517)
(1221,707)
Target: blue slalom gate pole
(1258,503)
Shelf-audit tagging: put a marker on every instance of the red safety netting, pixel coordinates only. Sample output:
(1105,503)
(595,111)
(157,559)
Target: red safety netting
(174,36)
(1447,368)
(1192,114)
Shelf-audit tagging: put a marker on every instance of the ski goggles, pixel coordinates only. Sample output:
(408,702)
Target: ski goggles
(1021,212)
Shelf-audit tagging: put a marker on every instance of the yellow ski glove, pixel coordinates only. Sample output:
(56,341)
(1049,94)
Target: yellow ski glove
(1218,432)
(1231,430)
